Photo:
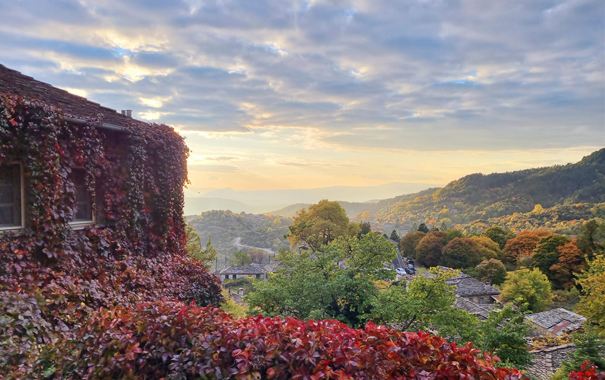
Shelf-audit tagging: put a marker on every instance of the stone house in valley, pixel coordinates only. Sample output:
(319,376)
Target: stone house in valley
(257,271)
(473,290)
(555,322)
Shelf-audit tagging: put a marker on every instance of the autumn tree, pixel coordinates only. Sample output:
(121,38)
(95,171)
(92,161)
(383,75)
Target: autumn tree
(592,300)
(499,235)
(488,249)
(319,225)
(257,255)
(409,242)
(530,287)
(522,245)
(492,271)
(205,256)
(570,262)
(546,255)
(429,248)
(452,233)
(460,253)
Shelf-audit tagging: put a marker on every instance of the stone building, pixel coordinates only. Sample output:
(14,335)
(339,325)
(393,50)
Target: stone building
(555,322)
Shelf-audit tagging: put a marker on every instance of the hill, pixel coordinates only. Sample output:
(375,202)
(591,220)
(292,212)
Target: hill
(479,196)
(262,201)
(352,208)
(225,227)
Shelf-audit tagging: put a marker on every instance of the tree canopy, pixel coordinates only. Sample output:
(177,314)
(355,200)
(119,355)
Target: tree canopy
(319,225)
(530,287)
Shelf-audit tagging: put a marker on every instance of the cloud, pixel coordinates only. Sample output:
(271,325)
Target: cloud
(329,76)
(214,168)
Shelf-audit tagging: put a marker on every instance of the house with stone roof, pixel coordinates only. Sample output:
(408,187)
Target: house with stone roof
(253,270)
(555,322)
(473,290)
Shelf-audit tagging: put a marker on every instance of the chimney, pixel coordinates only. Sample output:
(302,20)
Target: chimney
(129,113)
(123,112)
(241,292)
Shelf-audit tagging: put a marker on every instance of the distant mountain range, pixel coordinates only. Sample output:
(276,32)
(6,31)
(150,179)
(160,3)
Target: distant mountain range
(262,201)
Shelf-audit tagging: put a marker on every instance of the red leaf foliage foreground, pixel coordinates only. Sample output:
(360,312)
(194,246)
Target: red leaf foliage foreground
(587,373)
(171,340)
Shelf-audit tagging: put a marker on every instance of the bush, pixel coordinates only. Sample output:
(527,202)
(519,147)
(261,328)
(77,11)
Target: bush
(175,341)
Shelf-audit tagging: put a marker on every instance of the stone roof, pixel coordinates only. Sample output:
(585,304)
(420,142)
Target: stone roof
(478,310)
(251,269)
(467,286)
(15,83)
(557,320)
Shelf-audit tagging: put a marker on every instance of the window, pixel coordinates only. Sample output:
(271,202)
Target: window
(226,277)
(11,197)
(83,213)
(258,276)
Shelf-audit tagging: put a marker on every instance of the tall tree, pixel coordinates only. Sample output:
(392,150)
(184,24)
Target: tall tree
(423,228)
(241,258)
(591,238)
(522,245)
(395,236)
(460,253)
(429,248)
(504,333)
(570,261)
(409,242)
(492,271)
(592,300)
(335,283)
(499,235)
(321,224)
(545,254)
(529,287)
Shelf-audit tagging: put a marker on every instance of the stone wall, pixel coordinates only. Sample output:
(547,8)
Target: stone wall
(548,360)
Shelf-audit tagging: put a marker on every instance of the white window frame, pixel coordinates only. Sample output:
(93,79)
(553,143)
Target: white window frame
(81,224)
(22,195)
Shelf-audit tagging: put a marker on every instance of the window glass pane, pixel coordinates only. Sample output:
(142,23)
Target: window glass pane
(83,198)
(10,196)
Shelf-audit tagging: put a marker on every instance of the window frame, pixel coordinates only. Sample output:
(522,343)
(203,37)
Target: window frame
(81,224)
(22,196)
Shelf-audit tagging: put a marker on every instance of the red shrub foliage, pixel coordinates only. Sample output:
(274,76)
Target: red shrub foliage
(587,373)
(174,341)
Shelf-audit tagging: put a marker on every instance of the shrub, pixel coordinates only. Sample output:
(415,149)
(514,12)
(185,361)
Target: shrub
(175,341)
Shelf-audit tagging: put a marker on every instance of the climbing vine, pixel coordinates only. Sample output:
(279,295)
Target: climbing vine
(52,275)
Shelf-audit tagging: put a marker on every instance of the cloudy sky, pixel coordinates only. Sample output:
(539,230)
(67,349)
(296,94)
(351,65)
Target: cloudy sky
(298,94)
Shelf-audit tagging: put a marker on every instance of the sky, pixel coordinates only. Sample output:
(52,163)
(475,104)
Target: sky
(280,94)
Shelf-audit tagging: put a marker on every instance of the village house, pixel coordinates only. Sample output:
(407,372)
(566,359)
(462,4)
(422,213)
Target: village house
(555,322)
(473,290)
(254,270)
(70,162)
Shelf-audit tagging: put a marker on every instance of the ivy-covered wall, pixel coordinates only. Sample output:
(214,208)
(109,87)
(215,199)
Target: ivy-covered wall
(53,276)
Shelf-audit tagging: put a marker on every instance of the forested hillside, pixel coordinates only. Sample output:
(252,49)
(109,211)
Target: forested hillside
(479,196)
(255,230)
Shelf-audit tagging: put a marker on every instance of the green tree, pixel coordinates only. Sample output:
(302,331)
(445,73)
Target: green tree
(426,302)
(452,233)
(460,253)
(591,237)
(498,235)
(366,228)
(504,333)
(492,271)
(395,236)
(428,250)
(592,300)
(205,256)
(530,287)
(241,258)
(336,281)
(590,346)
(423,228)
(409,242)
(321,224)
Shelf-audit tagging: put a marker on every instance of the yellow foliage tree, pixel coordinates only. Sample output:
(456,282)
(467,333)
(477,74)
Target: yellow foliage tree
(592,302)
